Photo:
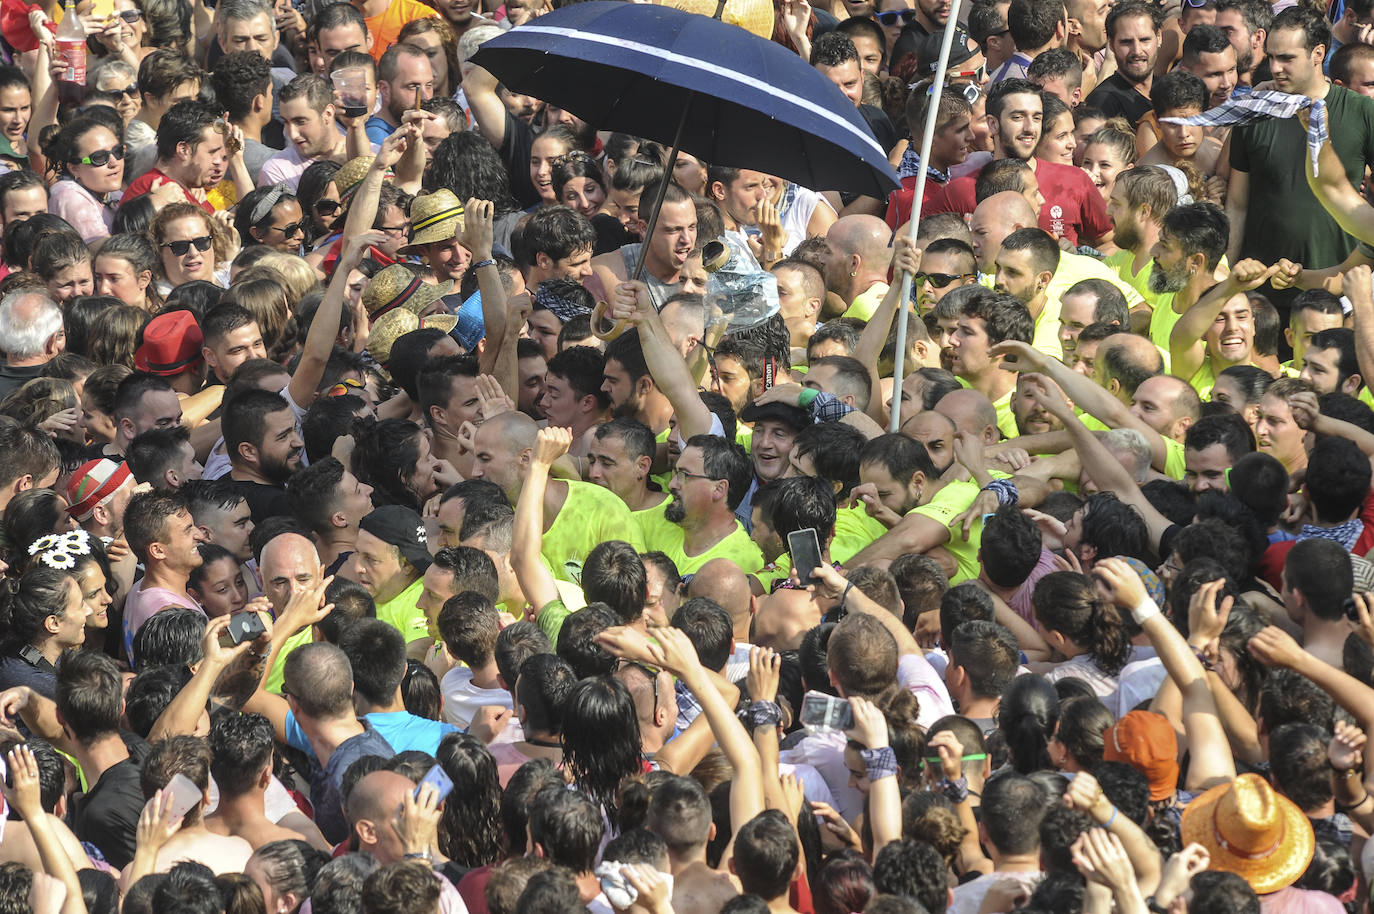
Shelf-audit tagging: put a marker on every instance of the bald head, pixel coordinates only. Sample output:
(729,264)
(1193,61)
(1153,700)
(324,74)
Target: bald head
(723,581)
(320,681)
(515,428)
(866,236)
(1124,361)
(996,218)
(971,412)
(288,550)
(371,808)
(504,446)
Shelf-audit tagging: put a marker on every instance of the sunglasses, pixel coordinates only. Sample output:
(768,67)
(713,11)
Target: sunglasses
(180,248)
(102,156)
(130,16)
(327,207)
(344,388)
(295,228)
(938,280)
(892,17)
(131,91)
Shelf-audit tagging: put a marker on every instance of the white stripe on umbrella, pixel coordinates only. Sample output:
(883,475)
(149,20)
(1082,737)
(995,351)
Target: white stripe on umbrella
(724,72)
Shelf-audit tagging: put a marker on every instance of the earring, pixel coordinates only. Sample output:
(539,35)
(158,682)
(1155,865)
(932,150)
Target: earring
(852,274)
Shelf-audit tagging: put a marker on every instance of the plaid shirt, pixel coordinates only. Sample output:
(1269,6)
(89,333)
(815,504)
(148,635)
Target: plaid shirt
(1254,106)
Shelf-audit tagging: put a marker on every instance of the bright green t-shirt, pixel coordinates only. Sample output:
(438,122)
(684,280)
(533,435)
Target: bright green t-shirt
(866,302)
(854,530)
(402,613)
(953,499)
(274,675)
(1173,458)
(590,515)
(650,522)
(737,547)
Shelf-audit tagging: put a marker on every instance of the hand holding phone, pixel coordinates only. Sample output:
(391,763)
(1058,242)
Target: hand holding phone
(437,778)
(185,795)
(805,548)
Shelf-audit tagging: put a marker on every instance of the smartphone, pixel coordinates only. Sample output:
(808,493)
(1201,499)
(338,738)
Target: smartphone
(243,626)
(822,713)
(805,548)
(1352,612)
(185,795)
(439,780)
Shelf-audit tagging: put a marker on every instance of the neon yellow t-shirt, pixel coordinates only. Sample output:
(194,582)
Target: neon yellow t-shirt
(402,613)
(274,675)
(1006,419)
(590,515)
(866,302)
(953,499)
(737,547)
(744,436)
(650,522)
(1074,268)
(854,530)
(1173,458)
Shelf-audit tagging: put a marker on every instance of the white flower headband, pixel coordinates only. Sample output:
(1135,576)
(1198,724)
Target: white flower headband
(59,550)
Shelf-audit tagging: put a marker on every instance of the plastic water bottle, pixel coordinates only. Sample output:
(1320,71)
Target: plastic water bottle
(71,52)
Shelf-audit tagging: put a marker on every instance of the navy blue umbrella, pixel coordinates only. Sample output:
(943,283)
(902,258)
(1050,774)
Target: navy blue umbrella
(715,90)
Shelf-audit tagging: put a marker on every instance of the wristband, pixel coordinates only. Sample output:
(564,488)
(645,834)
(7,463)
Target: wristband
(1108,823)
(1005,490)
(880,763)
(489,262)
(956,790)
(426,856)
(807,397)
(1147,609)
(761,714)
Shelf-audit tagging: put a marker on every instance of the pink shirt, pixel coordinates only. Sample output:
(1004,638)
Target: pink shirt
(92,219)
(141,605)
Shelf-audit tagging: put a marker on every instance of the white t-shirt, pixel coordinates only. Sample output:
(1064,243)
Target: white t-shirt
(462,699)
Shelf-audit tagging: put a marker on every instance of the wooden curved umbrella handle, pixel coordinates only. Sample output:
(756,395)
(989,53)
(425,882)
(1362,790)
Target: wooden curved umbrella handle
(599,324)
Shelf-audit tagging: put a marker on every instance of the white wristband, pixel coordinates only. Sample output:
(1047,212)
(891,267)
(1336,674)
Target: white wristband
(1146,610)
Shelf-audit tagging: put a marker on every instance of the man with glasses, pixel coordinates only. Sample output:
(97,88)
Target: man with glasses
(946,264)
(307,110)
(699,524)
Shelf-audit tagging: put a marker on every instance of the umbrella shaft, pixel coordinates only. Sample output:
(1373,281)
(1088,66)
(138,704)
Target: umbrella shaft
(663,188)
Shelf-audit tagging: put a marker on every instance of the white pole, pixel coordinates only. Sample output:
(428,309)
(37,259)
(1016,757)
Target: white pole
(903,301)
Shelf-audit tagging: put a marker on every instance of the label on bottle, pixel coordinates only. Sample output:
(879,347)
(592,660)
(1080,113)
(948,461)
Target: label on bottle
(72,55)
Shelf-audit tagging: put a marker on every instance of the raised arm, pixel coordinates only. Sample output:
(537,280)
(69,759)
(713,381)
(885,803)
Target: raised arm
(26,797)
(1210,759)
(181,716)
(478,237)
(906,258)
(527,537)
(324,327)
(630,302)
(1187,349)
(487,108)
(1333,190)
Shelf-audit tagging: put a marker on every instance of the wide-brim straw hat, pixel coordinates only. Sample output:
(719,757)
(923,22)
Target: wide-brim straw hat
(348,178)
(384,334)
(1252,831)
(398,288)
(434,217)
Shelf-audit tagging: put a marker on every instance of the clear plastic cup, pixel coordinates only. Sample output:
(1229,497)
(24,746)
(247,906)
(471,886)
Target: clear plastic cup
(350,87)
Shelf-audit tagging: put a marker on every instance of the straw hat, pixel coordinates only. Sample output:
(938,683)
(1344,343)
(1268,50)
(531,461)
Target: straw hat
(347,179)
(384,334)
(1251,831)
(397,287)
(434,217)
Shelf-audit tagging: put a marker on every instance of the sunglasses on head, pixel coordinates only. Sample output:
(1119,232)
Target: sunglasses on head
(102,156)
(892,17)
(180,248)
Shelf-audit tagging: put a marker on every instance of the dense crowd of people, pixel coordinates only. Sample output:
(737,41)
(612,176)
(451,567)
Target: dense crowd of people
(377,537)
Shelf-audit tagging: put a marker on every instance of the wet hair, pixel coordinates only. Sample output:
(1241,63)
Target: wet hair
(1069,603)
(601,742)
(1027,717)
(469,827)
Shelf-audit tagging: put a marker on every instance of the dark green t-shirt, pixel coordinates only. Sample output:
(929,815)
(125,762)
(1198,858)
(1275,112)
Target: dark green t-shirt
(1283,218)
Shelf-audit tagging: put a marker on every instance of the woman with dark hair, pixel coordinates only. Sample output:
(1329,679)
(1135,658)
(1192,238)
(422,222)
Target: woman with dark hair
(22,237)
(601,743)
(319,200)
(41,615)
(63,262)
(470,827)
(89,158)
(271,216)
(578,182)
(394,456)
(124,268)
(420,693)
(844,884)
(1082,626)
(134,216)
(1077,741)
(78,317)
(1026,717)
(285,872)
(466,164)
(1241,387)
(31,516)
(97,401)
